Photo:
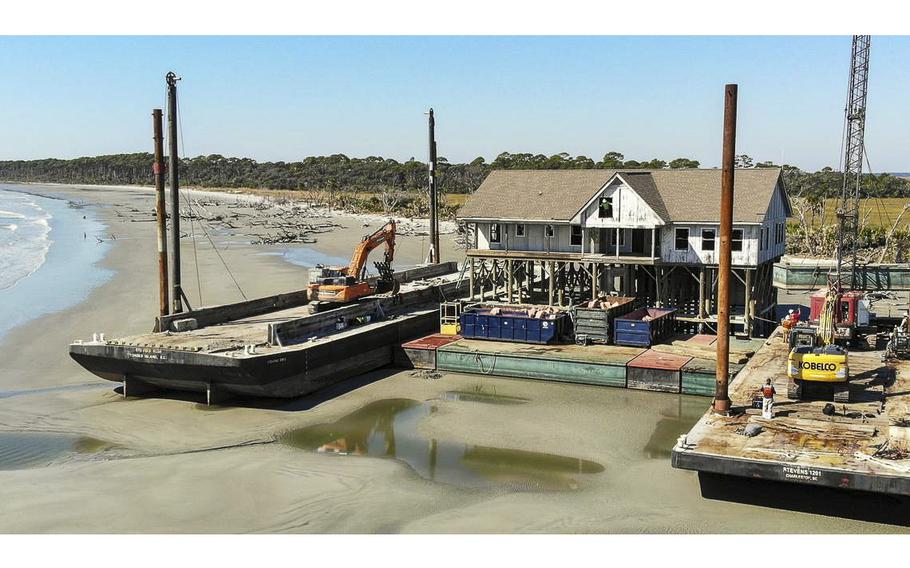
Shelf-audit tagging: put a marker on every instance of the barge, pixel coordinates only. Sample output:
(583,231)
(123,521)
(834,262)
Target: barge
(862,445)
(274,346)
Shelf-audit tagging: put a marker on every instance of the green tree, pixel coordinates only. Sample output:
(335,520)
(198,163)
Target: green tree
(743,161)
(611,160)
(655,164)
(679,163)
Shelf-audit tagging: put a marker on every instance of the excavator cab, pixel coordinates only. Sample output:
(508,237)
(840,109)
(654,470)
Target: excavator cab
(817,367)
(343,284)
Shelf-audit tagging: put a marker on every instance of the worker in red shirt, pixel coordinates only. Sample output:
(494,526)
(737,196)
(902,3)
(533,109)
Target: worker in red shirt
(787,323)
(767,399)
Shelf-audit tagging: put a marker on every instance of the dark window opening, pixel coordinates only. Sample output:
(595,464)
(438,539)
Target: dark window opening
(519,230)
(736,243)
(576,235)
(622,237)
(494,233)
(605,211)
(682,239)
(707,239)
(548,231)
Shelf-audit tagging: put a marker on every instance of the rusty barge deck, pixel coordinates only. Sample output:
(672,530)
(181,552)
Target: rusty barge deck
(863,446)
(271,347)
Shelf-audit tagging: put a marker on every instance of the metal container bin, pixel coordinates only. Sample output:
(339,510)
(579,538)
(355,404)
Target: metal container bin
(512,325)
(595,325)
(634,330)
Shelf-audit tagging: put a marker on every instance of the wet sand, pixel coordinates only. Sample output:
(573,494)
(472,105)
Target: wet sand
(169,464)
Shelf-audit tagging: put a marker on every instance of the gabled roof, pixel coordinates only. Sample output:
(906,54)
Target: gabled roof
(694,195)
(643,184)
(684,195)
(533,195)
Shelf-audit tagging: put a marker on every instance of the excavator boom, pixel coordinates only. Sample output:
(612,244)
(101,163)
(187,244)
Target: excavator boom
(386,234)
(342,284)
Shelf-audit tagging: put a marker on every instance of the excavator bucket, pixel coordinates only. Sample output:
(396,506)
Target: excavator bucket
(386,282)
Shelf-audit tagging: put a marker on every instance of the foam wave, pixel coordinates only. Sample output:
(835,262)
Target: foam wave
(24,246)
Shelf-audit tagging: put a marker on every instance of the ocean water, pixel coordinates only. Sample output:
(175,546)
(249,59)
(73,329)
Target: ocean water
(24,237)
(49,255)
(310,257)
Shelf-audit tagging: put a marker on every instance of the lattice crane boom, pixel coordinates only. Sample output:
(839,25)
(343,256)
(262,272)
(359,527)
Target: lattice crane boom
(855,126)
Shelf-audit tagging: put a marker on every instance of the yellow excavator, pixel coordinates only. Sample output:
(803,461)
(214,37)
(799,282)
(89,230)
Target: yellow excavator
(816,363)
(343,284)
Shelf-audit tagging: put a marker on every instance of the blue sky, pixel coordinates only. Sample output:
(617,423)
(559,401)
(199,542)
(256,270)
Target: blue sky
(283,98)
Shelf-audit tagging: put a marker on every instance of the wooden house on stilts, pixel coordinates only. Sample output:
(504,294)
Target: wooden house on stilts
(564,236)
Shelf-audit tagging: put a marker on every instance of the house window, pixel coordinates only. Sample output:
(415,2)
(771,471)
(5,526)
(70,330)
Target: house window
(682,239)
(736,243)
(707,239)
(520,230)
(605,211)
(766,234)
(494,233)
(576,235)
(548,231)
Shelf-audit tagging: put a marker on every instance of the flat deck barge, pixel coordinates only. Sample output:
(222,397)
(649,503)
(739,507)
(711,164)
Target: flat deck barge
(863,446)
(683,367)
(271,347)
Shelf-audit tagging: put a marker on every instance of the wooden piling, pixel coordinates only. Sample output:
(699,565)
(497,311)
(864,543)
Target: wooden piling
(471,279)
(173,171)
(160,213)
(721,394)
(550,282)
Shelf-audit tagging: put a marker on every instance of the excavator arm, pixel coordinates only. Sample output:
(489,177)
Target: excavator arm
(386,234)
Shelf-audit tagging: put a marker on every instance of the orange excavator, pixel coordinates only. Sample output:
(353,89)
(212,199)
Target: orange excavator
(343,284)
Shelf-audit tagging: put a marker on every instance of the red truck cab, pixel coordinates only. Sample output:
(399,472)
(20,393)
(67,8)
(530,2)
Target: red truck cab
(852,315)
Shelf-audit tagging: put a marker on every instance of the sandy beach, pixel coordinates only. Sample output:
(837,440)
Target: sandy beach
(597,458)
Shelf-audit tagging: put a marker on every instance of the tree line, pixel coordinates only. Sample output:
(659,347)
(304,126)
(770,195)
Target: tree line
(339,173)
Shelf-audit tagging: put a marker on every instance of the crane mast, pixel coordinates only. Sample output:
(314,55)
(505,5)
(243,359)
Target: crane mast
(855,125)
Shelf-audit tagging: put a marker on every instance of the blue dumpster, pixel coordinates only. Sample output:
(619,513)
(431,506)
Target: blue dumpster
(644,327)
(512,325)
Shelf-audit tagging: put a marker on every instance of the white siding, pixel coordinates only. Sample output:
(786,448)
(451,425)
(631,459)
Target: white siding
(629,210)
(775,218)
(693,254)
(534,239)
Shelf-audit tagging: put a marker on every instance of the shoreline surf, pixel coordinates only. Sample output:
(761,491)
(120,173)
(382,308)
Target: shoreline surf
(53,264)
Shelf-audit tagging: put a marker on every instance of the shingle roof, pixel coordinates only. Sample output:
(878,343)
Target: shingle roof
(694,195)
(534,195)
(674,195)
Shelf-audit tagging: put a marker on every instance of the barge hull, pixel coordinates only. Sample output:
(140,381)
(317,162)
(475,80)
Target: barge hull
(862,445)
(792,473)
(284,374)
